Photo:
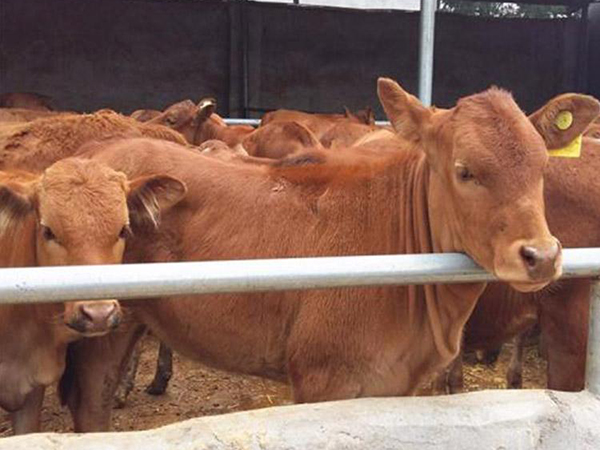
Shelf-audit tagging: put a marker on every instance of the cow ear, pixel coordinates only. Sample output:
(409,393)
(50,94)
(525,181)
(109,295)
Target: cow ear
(564,118)
(206,107)
(15,203)
(406,113)
(149,196)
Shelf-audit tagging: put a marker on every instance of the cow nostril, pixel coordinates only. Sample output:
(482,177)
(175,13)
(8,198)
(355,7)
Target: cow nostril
(529,255)
(97,313)
(87,314)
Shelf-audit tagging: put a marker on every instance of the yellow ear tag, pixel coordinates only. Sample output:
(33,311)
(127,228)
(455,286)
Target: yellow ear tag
(571,150)
(564,120)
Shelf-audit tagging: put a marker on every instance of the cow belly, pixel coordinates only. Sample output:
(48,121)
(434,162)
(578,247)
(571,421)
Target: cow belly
(226,332)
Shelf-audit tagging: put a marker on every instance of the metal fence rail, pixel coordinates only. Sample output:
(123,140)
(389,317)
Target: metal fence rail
(256,122)
(51,284)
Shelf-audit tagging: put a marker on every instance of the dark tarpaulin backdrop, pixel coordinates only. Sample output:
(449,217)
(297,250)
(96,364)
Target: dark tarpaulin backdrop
(130,54)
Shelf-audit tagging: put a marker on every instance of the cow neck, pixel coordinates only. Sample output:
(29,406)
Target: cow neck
(208,129)
(445,308)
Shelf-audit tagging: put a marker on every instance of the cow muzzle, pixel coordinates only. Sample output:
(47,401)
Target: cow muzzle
(94,318)
(531,264)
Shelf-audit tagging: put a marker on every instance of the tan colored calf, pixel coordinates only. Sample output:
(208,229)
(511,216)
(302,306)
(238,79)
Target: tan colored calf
(77,212)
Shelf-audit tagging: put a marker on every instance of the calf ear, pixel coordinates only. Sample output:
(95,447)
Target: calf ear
(15,203)
(206,107)
(149,196)
(406,113)
(564,118)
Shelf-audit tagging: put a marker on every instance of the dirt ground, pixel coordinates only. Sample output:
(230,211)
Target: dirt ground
(196,390)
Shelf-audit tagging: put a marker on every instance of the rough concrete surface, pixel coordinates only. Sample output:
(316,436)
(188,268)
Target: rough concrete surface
(498,420)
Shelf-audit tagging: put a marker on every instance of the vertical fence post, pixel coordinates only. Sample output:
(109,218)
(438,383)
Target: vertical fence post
(426,50)
(592,375)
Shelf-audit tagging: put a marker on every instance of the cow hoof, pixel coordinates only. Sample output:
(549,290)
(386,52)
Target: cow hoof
(156,388)
(120,401)
(514,382)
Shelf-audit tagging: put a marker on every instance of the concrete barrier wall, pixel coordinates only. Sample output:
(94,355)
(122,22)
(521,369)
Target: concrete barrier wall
(498,420)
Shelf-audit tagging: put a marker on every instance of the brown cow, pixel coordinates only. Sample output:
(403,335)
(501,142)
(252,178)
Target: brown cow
(200,123)
(343,134)
(77,212)
(319,124)
(279,139)
(573,213)
(466,179)
(37,144)
(514,313)
(26,100)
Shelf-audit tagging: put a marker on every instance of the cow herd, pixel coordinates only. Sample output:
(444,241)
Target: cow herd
(181,185)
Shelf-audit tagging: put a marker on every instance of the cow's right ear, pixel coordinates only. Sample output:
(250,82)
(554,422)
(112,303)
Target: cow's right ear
(564,118)
(206,107)
(15,203)
(406,113)
(150,196)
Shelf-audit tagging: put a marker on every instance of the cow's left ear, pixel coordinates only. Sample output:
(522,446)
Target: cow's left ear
(406,113)
(149,196)
(206,107)
(16,202)
(564,118)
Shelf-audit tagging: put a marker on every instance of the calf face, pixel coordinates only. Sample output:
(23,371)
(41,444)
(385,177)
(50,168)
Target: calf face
(485,192)
(83,212)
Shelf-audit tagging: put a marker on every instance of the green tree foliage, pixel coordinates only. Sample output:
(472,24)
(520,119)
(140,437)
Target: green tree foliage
(506,10)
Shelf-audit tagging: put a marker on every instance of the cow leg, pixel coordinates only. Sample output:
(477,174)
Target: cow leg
(27,419)
(164,371)
(456,383)
(94,368)
(128,380)
(440,384)
(564,325)
(514,375)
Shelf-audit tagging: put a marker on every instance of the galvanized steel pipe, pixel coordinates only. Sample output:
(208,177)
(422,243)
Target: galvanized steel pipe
(256,122)
(426,50)
(592,372)
(52,284)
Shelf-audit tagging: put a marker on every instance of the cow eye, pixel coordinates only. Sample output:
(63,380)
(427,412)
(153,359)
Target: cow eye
(464,174)
(47,233)
(125,232)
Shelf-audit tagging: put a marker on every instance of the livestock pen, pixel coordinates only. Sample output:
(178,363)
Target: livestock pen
(506,419)
(490,419)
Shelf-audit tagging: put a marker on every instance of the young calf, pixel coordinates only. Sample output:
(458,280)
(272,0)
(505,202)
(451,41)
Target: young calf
(77,212)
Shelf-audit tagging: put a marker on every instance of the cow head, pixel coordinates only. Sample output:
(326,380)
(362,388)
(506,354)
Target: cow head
(194,122)
(180,117)
(485,188)
(364,116)
(83,213)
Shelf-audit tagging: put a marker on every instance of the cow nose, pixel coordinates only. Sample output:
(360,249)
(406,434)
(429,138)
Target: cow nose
(540,260)
(98,317)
